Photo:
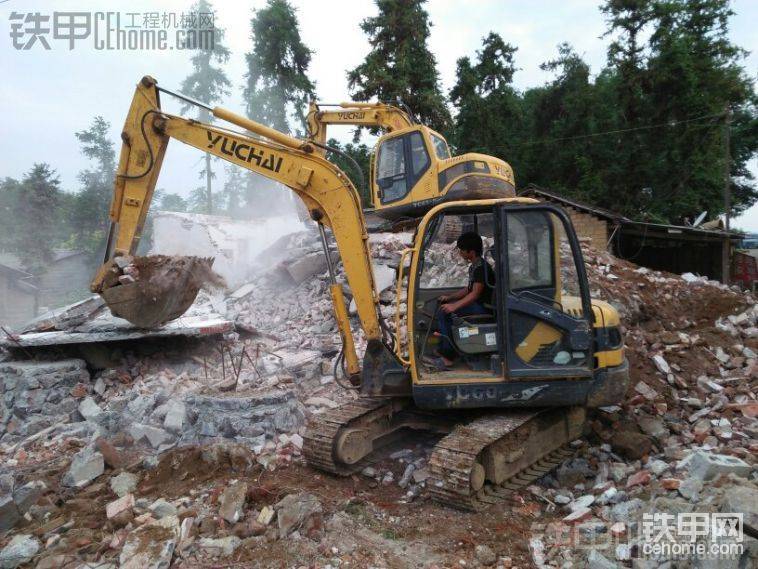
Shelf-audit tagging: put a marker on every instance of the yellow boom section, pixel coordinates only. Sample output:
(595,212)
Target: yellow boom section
(386,117)
(327,192)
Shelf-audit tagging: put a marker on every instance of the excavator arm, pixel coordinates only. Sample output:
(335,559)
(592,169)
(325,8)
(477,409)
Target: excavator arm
(327,193)
(383,116)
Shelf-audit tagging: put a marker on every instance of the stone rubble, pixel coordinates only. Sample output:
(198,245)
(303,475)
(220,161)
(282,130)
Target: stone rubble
(172,439)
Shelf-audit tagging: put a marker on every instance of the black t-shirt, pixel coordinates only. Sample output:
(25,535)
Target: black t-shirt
(480,271)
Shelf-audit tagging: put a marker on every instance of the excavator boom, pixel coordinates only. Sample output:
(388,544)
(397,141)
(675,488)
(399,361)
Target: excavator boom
(386,117)
(327,193)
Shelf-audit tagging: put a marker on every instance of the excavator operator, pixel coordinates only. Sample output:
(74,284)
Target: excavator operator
(475,298)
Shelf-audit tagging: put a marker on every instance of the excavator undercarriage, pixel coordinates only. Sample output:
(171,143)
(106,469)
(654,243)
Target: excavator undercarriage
(481,457)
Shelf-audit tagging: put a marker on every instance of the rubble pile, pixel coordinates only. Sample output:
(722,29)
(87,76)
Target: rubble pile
(295,290)
(190,452)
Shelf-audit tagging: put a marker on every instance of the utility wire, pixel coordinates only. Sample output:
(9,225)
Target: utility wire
(617,131)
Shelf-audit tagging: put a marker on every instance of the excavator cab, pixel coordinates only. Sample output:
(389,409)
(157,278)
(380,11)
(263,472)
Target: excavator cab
(537,344)
(412,168)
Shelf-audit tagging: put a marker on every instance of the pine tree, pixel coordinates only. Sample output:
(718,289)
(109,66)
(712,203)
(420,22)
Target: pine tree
(400,66)
(558,154)
(694,72)
(277,87)
(627,58)
(36,213)
(207,83)
(489,118)
(90,216)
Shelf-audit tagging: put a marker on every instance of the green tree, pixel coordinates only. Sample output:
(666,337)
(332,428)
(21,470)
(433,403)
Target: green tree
(560,152)
(354,162)
(277,86)
(89,217)
(489,115)
(36,214)
(207,83)
(10,192)
(173,202)
(694,71)
(233,193)
(197,202)
(400,65)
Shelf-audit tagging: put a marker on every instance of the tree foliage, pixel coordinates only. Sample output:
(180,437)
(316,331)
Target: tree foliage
(277,87)
(354,161)
(490,116)
(37,207)
(207,83)
(645,136)
(400,66)
(89,217)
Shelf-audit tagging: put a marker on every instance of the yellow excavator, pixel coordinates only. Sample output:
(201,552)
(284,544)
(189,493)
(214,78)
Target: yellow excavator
(528,369)
(411,167)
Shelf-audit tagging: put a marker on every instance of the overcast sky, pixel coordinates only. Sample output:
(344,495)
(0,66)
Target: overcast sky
(48,95)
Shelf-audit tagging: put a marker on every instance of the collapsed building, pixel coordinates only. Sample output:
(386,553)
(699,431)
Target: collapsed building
(128,448)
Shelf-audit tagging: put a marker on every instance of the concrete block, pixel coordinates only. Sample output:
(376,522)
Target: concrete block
(85,467)
(706,465)
(9,514)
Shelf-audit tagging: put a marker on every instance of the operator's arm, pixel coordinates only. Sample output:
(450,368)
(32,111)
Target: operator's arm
(457,295)
(467,299)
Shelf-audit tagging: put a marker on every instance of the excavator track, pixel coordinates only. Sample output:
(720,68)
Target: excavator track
(477,463)
(323,430)
(481,462)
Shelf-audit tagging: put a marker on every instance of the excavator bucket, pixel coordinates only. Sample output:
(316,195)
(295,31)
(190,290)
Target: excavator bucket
(150,291)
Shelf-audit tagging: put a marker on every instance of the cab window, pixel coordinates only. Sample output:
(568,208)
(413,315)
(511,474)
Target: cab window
(440,147)
(390,170)
(401,161)
(419,155)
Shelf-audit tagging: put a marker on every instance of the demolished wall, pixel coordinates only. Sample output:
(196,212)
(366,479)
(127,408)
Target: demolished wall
(185,454)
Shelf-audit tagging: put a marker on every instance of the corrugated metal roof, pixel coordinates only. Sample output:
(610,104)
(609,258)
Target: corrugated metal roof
(622,220)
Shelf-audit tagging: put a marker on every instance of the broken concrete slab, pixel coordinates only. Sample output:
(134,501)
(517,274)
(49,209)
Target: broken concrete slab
(742,500)
(223,546)
(65,317)
(113,329)
(155,436)
(21,549)
(176,414)
(124,483)
(384,277)
(89,409)
(303,268)
(266,515)
(706,466)
(9,514)
(151,546)
(233,502)
(85,467)
(123,504)
(162,508)
(27,495)
(294,511)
